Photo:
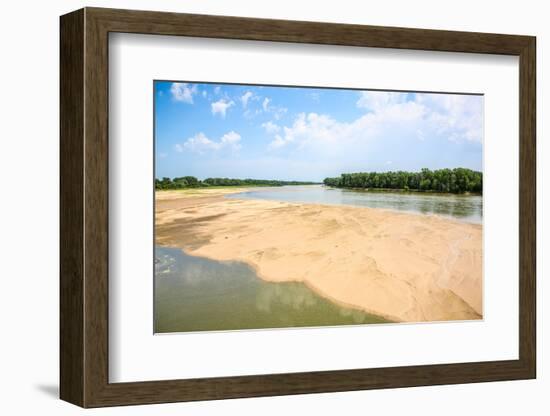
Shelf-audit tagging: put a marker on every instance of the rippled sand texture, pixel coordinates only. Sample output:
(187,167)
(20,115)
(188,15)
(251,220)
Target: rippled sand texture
(403,267)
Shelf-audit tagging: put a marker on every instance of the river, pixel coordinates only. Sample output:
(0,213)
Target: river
(462,207)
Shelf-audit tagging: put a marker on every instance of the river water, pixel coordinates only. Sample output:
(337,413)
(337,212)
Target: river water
(198,294)
(462,207)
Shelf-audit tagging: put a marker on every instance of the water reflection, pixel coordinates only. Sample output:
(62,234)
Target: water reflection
(464,207)
(197,294)
(300,297)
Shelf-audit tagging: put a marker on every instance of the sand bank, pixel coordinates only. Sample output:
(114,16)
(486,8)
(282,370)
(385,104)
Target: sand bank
(403,267)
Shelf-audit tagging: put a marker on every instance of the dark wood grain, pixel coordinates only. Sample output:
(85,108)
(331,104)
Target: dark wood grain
(71,219)
(96,223)
(84,207)
(527,207)
(226,27)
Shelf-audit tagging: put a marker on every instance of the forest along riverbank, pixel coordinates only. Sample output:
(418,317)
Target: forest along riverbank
(403,267)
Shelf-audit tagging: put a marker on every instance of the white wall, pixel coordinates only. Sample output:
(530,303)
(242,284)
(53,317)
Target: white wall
(29,209)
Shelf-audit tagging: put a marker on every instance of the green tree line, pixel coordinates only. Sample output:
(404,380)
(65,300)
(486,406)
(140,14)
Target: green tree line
(457,181)
(184,182)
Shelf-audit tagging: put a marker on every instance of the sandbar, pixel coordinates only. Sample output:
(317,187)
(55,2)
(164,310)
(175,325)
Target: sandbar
(400,266)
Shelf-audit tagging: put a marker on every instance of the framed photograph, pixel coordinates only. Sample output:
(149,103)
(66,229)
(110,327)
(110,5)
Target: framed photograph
(254,207)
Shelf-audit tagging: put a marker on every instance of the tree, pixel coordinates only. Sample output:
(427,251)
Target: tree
(458,180)
(192,182)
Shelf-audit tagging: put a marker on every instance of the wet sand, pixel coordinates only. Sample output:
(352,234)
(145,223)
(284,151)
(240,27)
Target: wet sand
(403,267)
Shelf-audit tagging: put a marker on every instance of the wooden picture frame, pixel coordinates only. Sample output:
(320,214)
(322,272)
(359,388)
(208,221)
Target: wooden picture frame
(84,207)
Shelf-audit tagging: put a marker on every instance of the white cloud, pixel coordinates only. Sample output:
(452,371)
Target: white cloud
(265,104)
(459,117)
(183,92)
(278,142)
(231,139)
(271,127)
(245,97)
(204,93)
(310,128)
(390,116)
(221,107)
(199,143)
(277,112)
(217,90)
(378,100)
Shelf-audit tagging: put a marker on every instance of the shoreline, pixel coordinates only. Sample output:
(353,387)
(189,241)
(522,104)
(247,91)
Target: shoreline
(388,210)
(305,283)
(345,254)
(442,216)
(223,193)
(407,191)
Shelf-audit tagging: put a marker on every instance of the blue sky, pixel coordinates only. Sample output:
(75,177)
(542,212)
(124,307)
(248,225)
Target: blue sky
(287,133)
